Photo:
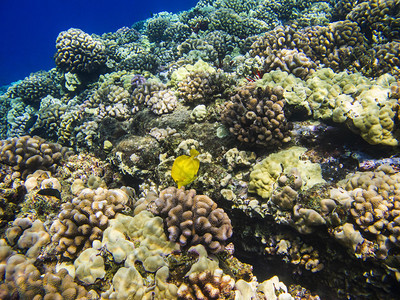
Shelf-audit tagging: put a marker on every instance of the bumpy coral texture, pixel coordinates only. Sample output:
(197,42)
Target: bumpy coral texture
(194,48)
(202,86)
(207,285)
(138,238)
(332,45)
(256,115)
(378,17)
(35,87)
(294,251)
(291,61)
(156,28)
(376,205)
(367,107)
(192,219)
(113,101)
(228,20)
(162,102)
(143,89)
(78,52)
(28,235)
(381,59)
(27,154)
(51,113)
(24,281)
(84,218)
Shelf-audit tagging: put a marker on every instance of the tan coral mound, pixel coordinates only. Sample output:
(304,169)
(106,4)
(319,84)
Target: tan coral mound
(27,154)
(256,115)
(374,197)
(77,51)
(84,218)
(192,219)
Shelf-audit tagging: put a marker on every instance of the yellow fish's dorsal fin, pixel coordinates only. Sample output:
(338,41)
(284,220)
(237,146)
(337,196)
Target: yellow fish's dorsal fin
(194,152)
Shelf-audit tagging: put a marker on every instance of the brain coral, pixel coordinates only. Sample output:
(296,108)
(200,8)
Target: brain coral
(255,115)
(78,52)
(192,219)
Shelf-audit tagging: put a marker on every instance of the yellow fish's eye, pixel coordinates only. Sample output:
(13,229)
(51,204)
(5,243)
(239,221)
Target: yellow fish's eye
(185,168)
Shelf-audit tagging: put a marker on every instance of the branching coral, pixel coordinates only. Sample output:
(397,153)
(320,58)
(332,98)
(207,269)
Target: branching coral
(84,218)
(79,52)
(26,154)
(192,219)
(256,115)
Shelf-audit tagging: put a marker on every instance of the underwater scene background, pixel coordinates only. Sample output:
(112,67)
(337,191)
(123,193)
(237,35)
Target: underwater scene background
(219,150)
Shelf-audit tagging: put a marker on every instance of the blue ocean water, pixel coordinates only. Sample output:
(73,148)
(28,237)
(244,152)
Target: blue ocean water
(30,28)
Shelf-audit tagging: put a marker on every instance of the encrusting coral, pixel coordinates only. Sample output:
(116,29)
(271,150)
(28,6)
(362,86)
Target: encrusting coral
(366,106)
(266,175)
(144,230)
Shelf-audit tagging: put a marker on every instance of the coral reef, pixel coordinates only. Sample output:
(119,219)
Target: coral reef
(374,208)
(35,87)
(78,52)
(366,107)
(83,219)
(378,17)
(144,230)
(289,111)
(331,45)
(192,219)
(28,235)
(23,279)
(26,154)
(256,115)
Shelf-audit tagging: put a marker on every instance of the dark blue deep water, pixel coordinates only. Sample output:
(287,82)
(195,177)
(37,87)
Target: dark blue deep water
(29,28)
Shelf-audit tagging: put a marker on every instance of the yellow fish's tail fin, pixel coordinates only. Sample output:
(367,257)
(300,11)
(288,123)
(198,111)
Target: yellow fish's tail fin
(194,152)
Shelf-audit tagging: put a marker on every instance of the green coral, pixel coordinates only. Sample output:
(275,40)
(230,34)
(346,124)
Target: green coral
(264,175)
(363,104)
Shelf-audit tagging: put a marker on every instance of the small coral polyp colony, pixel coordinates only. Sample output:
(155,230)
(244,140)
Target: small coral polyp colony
(150,159)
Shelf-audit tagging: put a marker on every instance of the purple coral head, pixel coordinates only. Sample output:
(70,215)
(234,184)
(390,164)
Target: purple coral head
(137,81)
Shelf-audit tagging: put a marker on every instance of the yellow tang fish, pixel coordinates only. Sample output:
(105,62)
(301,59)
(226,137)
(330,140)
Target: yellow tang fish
(185,168)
